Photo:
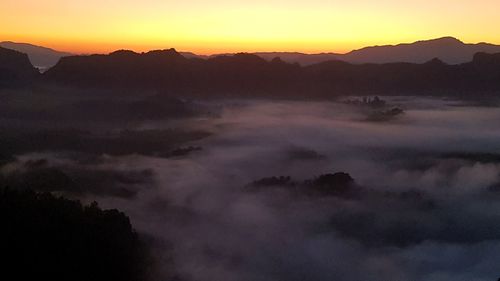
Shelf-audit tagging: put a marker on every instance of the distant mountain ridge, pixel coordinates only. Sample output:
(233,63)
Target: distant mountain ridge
(448,49)
(41,57)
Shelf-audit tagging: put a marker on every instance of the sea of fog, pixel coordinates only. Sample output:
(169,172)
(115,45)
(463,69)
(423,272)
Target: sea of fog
(427,208)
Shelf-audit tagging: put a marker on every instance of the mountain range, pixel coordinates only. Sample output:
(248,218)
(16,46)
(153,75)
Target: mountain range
(41,57)
(168,72)
(248,75)
(448,49)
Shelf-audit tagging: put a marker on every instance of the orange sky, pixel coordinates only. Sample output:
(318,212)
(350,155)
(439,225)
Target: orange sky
(219,26)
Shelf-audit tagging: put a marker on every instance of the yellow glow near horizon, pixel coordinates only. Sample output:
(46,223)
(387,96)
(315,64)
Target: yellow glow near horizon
(217,26)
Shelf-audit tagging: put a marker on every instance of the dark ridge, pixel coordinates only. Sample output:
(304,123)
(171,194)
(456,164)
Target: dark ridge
(248,75)
(15,69)
(51,238)
(486,59)
(123,69)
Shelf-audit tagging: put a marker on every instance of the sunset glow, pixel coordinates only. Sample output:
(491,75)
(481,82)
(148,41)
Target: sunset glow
(207,27)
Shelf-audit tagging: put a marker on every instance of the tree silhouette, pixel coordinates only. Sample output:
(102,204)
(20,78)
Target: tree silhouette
(48,238)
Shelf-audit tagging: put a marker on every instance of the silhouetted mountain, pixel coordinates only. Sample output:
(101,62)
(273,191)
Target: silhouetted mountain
(300,58)
(249,75)
(15,69)
(434,77)
(41,57)
(448,49)
(242,74)
(191,55)
(124,69)
(167,71)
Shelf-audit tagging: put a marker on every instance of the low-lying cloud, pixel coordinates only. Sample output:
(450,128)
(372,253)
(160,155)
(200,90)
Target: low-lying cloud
(426,203)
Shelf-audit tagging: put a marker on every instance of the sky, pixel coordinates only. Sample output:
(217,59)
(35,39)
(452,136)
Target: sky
(217,26)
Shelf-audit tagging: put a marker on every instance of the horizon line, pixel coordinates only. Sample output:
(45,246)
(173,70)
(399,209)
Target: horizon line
(248,52)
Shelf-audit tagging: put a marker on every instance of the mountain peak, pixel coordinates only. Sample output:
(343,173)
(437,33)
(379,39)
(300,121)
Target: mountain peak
(435,62)
(168,52)
(446,39)
(122,53)
(443,41)
(448,49)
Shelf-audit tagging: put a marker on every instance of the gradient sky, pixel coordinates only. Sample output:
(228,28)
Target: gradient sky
(217,26)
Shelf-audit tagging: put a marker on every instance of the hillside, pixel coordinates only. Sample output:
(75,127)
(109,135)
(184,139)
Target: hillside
(15,69)
(41,57)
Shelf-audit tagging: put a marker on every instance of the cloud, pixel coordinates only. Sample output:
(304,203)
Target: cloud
(423,212)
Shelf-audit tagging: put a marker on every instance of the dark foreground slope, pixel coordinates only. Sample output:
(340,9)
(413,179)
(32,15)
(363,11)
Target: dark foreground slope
(49,238)
(249,75)
(15,69)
